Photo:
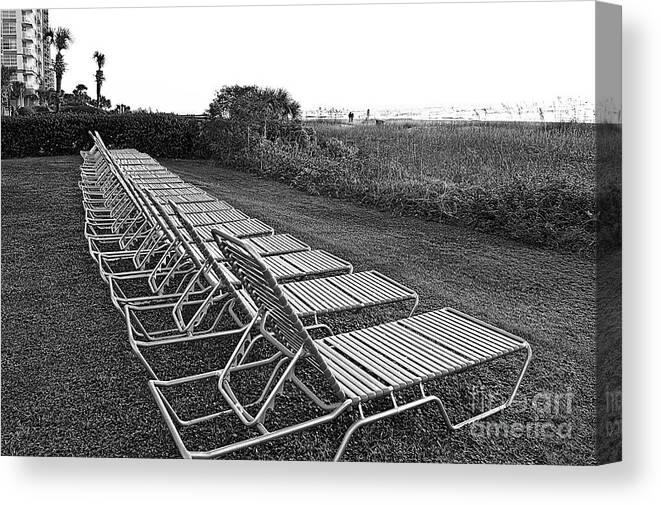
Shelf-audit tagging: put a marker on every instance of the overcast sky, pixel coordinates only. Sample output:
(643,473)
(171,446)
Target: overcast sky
(358,56)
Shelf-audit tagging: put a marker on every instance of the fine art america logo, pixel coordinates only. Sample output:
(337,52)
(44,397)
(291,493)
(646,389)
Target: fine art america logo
(550,412)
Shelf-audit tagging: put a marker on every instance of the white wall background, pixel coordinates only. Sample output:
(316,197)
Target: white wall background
(34,480)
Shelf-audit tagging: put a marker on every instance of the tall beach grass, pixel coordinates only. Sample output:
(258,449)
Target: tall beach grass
(536,183)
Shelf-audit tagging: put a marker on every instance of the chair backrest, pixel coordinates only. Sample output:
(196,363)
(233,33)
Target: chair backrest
(166,224)
(98,142)
(201,246)
(145,203)
(115,170)
(260,284)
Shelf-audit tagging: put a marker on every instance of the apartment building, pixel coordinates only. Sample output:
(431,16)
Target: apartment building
(26,52)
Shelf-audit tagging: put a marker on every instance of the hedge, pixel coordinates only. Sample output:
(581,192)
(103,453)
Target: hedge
(164,135)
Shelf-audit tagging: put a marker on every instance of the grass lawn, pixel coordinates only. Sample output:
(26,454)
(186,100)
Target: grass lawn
(72,387)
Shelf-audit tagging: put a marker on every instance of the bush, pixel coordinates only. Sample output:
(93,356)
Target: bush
(160,135)
(557,187)
(82,108)
(237,144)
(25,111)
(559,212)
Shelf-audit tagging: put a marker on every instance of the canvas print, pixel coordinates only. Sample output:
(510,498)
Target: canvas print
(377,233)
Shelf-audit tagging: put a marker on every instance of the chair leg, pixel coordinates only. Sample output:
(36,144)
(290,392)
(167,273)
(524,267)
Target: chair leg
(431,398)
(416,301)
(172,422)
(490,412)
(376,417)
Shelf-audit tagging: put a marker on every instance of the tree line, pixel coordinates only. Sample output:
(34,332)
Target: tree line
(56,99)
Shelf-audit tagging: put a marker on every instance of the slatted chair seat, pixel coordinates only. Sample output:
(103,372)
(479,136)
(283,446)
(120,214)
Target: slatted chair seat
(375,361)
(308,302)
(149,177)
(305,264)
(128,153)
(239,229)
(346,292)
(132,163)
(269,245)
(185,189)
(156,184)
(136,157)
(142,170)
(197,207)
(142,167)
(190,198)
(129,156)
(300,264)
(218,216)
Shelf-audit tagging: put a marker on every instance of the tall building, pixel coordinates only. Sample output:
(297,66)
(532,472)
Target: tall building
(26,52)
(49,73)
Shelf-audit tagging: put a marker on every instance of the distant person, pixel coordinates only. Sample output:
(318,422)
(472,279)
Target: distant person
(351,117)
(367,117)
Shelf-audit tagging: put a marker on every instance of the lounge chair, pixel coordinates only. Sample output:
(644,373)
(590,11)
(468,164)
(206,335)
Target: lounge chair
(314,297)
(132,223)
(355,368)
(290,258)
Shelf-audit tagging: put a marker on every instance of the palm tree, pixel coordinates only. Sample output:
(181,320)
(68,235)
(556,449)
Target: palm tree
(80,94)
(100,61)
(282,104)
(16,90)
(104,103)
(62,39)
(6,82)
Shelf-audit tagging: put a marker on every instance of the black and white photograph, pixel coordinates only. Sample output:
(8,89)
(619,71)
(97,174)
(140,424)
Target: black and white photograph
(386,233)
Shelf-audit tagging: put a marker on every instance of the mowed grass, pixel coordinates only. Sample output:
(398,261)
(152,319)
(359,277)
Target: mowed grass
(72,387)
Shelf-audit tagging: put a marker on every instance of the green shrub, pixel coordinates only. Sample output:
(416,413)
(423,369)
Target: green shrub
(160,135)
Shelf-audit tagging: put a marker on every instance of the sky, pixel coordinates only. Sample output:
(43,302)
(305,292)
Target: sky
(355,56)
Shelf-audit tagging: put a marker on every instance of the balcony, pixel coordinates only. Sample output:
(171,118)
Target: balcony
(28,17)
(28,34)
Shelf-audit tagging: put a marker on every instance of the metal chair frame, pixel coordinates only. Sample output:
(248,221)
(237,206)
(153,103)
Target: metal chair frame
(280,327)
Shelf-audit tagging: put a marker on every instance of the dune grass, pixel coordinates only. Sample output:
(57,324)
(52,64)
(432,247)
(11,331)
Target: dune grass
(535,183)
(484,154)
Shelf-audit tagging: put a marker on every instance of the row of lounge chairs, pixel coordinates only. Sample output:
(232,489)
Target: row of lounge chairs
(208,270)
